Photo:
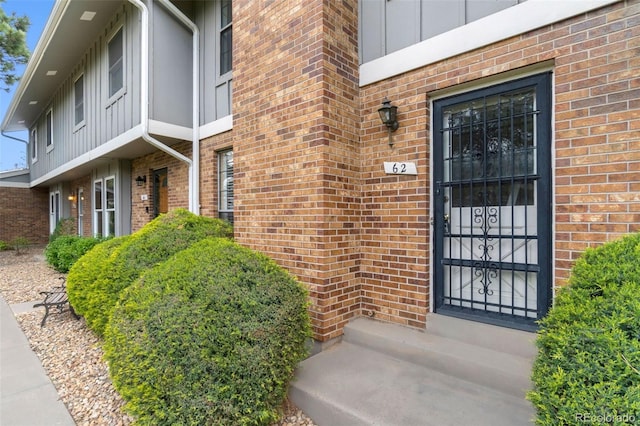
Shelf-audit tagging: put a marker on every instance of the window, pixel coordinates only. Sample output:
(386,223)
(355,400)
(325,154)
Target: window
(78,100)
(54,210)
(116,63)
(225,34)
(225,185)
(80,211)
(104,211)
(49,129)
(33,141)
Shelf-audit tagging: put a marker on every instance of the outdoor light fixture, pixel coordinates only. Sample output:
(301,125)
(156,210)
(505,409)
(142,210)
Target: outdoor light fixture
(71,197)
(140,180)
(388,116)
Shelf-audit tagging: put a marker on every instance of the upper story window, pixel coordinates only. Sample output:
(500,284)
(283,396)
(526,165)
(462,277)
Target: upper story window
(33,142)
(78,101)
(226,37)
(116,62)
(49,130)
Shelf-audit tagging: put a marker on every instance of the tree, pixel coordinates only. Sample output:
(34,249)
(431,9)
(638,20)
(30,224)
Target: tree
(13,46)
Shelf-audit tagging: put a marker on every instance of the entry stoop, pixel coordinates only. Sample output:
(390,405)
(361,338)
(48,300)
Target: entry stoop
(456,372)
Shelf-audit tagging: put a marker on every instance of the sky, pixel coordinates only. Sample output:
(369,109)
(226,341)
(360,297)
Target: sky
(13,153)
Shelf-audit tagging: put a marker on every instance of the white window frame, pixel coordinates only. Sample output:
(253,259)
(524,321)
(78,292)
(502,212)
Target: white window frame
(220,78)
(112,97)
(79,124)
(55,209)
(223,181)
(48,129)
(102,224)
(80,207)
(33,140)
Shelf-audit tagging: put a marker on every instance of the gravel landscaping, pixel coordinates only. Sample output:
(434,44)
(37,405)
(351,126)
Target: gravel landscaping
(68,350)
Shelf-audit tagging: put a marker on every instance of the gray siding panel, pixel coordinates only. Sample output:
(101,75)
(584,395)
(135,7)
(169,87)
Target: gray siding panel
(104,119)
(172,76)
(386,26)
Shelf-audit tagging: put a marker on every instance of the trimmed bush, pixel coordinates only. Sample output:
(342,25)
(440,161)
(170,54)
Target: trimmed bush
(83,275)
(588,364)
(211,336)
(62,252)
(158,240)
(616,262)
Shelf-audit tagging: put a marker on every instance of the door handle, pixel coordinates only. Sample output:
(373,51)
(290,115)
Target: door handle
(446,218)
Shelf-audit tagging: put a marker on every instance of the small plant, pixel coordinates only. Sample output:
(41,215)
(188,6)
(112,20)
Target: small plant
(20,245)
(211,336)
(3,246)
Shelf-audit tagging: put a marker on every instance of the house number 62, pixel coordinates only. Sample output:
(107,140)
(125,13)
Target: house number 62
(400,168)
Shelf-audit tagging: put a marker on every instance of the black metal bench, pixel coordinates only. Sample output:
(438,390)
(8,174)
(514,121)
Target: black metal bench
(55,300)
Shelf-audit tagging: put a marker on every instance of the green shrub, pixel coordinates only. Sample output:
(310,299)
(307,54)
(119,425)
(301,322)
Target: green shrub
(616,262)
(3,246)
(83,275)
(155,242)
(65,250)
(211,336)
(588,363)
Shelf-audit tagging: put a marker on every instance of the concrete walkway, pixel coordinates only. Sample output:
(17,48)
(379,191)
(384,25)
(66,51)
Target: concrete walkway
(27,396)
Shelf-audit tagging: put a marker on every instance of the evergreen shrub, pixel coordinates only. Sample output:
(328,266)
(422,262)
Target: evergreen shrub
(588,364)
(211,336)
(62,252)
(158,240)
(83,275)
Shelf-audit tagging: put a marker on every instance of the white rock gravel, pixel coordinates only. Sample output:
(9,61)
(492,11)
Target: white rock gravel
(69,351)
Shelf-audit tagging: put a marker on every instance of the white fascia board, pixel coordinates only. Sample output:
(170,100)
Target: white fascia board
(58,11)
(515,20)
(101,151)
(213,128)
(14,185)
(170,130)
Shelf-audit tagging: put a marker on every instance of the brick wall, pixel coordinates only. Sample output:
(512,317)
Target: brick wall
(178,183)
(296,147)
(24,213)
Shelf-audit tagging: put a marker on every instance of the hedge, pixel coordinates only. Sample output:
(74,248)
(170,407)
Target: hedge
(65,250)
(158,240)
(83,275)
(211,336)
(588,363)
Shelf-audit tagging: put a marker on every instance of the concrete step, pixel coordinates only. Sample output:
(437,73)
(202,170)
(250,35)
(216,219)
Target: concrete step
(450,353)
(385,374)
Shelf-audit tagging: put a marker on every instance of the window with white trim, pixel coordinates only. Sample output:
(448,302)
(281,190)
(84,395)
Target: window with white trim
(33,142)
(80,204)
(49,130)
(225,36)
(104,207)
(78,101)
(225,185)
(54,210)
(116,62)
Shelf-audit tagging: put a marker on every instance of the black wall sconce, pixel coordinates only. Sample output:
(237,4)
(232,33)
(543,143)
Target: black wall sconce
(140,180)
(388,116)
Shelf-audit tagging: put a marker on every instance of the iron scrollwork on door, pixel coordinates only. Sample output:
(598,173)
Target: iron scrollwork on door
(485,270)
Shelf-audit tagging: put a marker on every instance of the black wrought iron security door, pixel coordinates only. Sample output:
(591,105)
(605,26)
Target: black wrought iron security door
(492,215)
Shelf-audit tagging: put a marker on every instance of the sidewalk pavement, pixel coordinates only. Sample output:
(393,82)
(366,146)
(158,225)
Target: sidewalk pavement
(27,395)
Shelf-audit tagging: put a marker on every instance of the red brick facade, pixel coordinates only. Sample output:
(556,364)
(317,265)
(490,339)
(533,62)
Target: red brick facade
(24,213)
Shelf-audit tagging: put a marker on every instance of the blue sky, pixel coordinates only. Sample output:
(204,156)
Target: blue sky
(13,153)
